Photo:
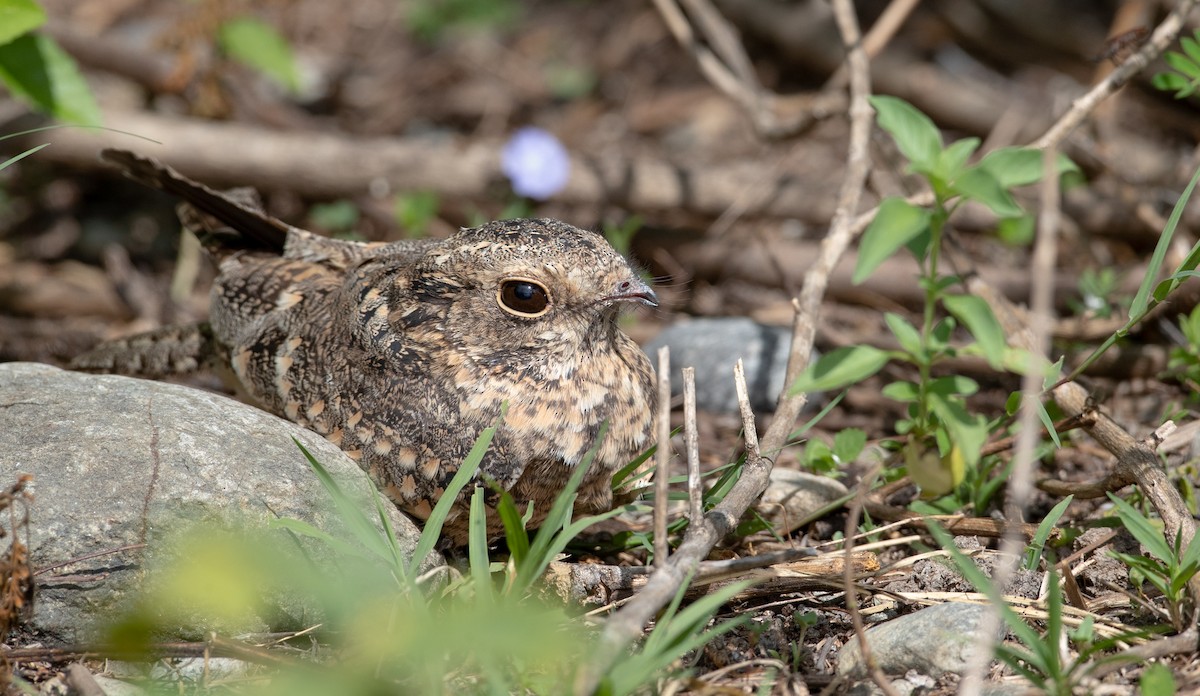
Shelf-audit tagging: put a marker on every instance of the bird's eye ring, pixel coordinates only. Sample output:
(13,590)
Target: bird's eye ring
(523,297)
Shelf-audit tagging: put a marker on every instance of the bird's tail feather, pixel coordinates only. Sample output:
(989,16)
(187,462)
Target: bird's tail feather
(224,221)
(170,350)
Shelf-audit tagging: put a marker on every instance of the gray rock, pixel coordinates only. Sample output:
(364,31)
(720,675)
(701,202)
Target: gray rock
(792,495)
(931,641)
(116,687)
(713,346)
(120,462)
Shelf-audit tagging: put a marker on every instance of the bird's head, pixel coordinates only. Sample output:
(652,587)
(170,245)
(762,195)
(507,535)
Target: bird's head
(521,292)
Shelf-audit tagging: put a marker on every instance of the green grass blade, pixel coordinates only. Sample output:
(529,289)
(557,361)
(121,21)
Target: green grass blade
(1141,300)
(981,582)
(1054,624)
(478,547)
(1043,532)
(348,509)
(433,526)
(17,158)
(1143,530)
(559,516)
(514,528)
(624,473)
(305,529)
(674,635)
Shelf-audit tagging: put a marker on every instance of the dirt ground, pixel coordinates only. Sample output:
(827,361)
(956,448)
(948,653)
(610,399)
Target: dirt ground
(732,196)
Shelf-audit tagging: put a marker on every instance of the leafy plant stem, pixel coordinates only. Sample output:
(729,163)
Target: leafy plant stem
(924,364)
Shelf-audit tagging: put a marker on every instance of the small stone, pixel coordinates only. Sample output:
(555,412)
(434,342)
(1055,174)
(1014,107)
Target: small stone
(931,641)
(713,346)
(792,496)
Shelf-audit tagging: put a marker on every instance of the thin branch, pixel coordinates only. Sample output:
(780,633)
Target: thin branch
(1029,433)
(626,625)
(1082,107)
(692,442)
(662,469)
(842,231)
(878,36)
(749,429)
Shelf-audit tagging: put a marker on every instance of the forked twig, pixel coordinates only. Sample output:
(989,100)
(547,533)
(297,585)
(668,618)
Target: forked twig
(626,625)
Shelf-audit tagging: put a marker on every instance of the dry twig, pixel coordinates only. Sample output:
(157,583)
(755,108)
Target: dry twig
(1020,486)
(1163,35)
(692,443)
(662,459)
(626,625)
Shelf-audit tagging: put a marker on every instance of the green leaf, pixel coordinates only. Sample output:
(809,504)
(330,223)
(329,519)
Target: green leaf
(477,548)
(1191,554)
(336,216)
(1183,64)
(1045,527)
(18,17)
(953,385)
(258,45)
(975,576)
(973,311)
(514,528)
(1054,624)
(556,530)
(1021,166)
(1157,678)
(968,431)
(915,134)
(36,70)
(307,530)
(940,336)
(979,184)
(349,511)
(896,223)
(1085,633)
(840,368)
(674,635)
(1169,81)
(901,391)
(1048,423)
(951,161)
(1014,166)
(1016,231)
(1191,48)
(848,444)
(414,211)
(906,334)
(1185,270)
(1141,300)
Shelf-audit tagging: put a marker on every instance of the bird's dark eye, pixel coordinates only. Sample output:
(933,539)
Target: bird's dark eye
(524,298)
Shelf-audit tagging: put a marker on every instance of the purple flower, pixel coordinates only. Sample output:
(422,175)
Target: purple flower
(536,163)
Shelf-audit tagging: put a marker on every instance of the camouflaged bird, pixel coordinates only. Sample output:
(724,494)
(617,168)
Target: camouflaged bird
(403,353)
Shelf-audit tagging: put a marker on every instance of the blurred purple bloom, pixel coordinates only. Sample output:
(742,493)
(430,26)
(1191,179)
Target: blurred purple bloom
(536,163)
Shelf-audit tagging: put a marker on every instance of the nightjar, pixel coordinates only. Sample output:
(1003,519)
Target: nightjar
(403,353)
